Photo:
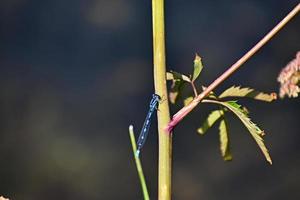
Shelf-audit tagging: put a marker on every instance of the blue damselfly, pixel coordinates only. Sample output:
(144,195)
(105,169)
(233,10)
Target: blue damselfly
(145,129)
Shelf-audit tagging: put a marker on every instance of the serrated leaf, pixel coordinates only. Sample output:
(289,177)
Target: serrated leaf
(238,91)
(172,75)
(197,67)
(224,141)
(210,121)
(235,92)
(254,130)
(187,100)
(238,106)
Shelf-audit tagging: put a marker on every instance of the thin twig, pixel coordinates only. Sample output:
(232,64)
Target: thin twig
(194,88)
(187,109)
(138,164)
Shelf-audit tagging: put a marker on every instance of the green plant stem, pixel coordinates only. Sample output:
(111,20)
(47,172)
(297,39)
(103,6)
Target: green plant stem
(163,114)
(138,164)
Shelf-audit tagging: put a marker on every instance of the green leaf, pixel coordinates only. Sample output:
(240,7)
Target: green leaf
(178,81)
(238,106)
(254,130)
(175,91)
(172,75)
(238,91)
(224,141)
(187,100)
(210,120)
(197,67)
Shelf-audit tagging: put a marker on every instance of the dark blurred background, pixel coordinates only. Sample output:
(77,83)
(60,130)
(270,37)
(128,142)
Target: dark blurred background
(74,75)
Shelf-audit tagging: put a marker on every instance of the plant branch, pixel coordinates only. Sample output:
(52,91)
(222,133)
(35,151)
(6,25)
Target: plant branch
(138,164)
(163,114)
(187,109)
(194,88)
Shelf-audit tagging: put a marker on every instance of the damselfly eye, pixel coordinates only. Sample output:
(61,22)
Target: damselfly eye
(156,96)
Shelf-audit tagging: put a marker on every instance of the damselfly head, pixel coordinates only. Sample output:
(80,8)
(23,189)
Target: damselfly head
(156,96)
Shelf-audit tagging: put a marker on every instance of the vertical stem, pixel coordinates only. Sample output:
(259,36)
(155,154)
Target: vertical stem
(163,115)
